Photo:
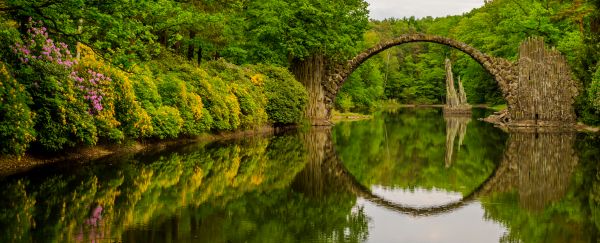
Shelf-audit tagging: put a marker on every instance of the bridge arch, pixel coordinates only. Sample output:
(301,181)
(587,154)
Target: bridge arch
(538,88)
(502,70)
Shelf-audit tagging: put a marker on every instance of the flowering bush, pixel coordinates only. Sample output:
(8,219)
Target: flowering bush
(177,93)
(111,95)
(61,101)
(39,47)
(63,117)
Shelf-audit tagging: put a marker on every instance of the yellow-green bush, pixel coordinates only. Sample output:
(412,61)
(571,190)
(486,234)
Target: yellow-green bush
(594,91)
(218,99)
(146,89)
(16,119)
(166,121)
(106,122)
(135,121)
(177,93)
(250,94)
(88,100)
(287,98)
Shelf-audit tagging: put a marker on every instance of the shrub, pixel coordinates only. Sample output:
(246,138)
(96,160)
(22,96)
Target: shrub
(16,119)
(286,97)
(167,122)
(63,117)
(248,88)
(8,36)
(218,99)
(344,102)
(146,89)
(594,91)
(92,76)
(177,93)
(135,121)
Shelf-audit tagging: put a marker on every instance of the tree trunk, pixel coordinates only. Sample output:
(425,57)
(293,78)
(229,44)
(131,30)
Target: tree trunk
(199,54)
(177,47)
(163,38)
(190,52)
(311,72)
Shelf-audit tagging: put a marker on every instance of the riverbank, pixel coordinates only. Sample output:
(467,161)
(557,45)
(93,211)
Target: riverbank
(12,164)
(337,116)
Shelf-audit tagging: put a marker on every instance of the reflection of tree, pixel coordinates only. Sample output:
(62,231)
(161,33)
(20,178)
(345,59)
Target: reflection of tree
(143,189)
(238,191)
(325,175)
(455,125)
(410,155)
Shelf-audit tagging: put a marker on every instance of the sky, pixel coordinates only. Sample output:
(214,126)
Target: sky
(381,9)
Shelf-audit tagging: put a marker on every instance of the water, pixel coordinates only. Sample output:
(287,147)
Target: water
(409,175)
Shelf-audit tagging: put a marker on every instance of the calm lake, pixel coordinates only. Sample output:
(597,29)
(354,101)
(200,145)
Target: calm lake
(408,175)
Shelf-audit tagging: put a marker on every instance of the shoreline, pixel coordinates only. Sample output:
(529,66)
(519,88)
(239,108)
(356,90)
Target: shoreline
(10,165)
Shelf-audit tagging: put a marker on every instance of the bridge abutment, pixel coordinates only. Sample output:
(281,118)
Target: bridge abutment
(311,72)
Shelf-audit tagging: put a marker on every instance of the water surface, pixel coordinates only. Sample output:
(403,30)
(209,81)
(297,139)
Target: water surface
(410,175)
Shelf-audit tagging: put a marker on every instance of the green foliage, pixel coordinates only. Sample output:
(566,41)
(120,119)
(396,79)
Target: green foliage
(120,29)
(594,91)
(283,29)
(166,121)
(16,119)
(344,102)
(62,118)
(177,93)
(287,98)
(221,103)
(405,148)
(8,36)
(135,121)
(250,93)
(198,181)
(363,88)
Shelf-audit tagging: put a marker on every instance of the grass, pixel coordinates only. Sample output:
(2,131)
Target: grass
(498,107)
(337,116)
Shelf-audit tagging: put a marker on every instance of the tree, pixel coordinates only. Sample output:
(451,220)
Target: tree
(308,36)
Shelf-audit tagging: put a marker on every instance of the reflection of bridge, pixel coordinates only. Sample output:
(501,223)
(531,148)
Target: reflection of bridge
(537,166)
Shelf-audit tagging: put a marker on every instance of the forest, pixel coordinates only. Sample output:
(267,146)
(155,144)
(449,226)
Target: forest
(81,73)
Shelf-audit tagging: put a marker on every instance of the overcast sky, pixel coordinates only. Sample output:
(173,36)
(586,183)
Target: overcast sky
(381,9)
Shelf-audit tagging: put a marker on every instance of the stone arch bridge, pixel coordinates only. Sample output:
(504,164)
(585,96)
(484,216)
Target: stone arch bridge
(538,87)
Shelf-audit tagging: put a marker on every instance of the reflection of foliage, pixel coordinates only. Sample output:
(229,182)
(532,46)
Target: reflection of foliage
(136,192)
(16,213)
(276,216)
(407,150)
(573,218)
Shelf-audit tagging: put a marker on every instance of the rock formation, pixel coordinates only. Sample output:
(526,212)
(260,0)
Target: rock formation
(456,102)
